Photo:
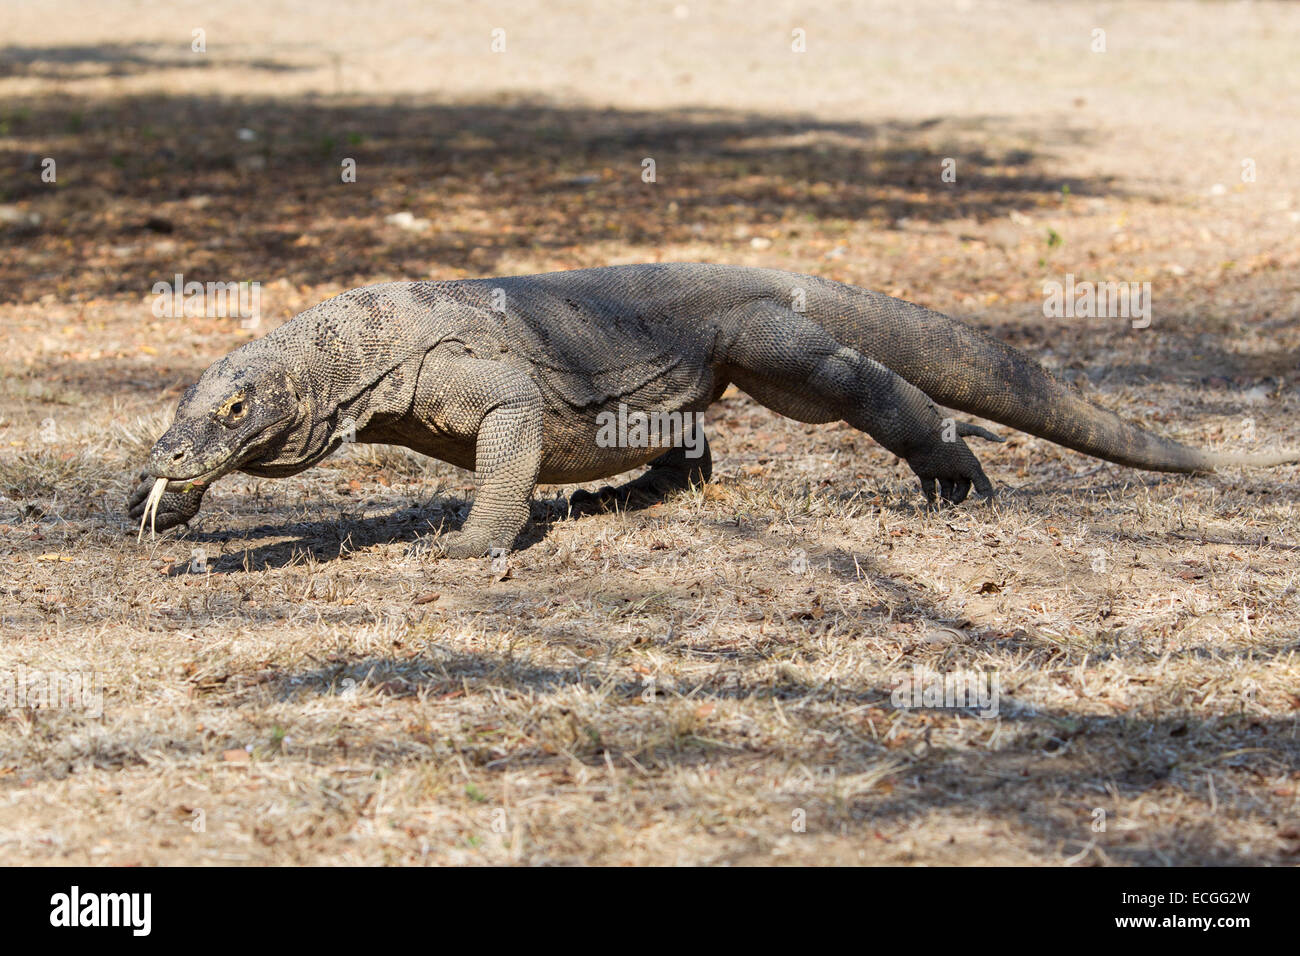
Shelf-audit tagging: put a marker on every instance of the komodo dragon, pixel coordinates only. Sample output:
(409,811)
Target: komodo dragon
(513,378)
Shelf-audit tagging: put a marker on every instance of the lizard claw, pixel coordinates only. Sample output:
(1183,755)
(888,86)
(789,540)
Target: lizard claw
(953,468)
(582,498)
(611,497)
(427,546)
(453,544)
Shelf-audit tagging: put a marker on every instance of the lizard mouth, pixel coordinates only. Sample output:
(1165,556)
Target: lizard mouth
(160,488)
(245,451)
(164,483)
(202,478)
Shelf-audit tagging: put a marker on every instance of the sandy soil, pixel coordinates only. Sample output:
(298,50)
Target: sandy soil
(708,680)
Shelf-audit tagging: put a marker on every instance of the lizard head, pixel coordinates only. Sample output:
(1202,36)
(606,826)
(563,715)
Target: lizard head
(239,411)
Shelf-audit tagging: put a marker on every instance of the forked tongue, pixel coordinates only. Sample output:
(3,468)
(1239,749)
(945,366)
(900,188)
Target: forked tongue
(151,509)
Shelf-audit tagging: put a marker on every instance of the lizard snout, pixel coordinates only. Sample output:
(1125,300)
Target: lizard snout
(168,459)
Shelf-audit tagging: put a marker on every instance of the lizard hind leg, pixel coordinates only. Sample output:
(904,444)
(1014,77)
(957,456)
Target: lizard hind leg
(795,367)
(677,469)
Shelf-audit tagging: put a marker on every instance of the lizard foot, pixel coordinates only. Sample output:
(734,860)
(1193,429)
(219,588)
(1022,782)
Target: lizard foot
(677,469)
(953,467)
(652,487)
(610,496)
(452,544)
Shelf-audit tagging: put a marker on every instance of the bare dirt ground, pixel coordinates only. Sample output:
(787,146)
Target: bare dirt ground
(707,680)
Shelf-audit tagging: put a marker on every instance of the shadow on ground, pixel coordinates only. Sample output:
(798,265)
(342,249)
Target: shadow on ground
(117,60)
(1001,780)
(154,185)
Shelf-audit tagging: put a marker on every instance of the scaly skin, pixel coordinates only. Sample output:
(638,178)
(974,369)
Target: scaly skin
(507,377)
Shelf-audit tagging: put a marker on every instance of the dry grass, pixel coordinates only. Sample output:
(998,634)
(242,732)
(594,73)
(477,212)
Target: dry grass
(707,680)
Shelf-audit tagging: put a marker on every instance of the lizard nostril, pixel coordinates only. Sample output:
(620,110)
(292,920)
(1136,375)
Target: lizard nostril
(178,456)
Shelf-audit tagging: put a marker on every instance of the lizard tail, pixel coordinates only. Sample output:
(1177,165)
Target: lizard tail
(963,368)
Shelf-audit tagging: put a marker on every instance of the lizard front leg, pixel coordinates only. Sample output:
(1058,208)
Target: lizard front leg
(500,409)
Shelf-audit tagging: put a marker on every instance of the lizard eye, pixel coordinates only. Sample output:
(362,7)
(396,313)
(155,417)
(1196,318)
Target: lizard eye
(234,412)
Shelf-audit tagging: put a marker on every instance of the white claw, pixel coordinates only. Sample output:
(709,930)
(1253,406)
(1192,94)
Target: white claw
(151,509)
